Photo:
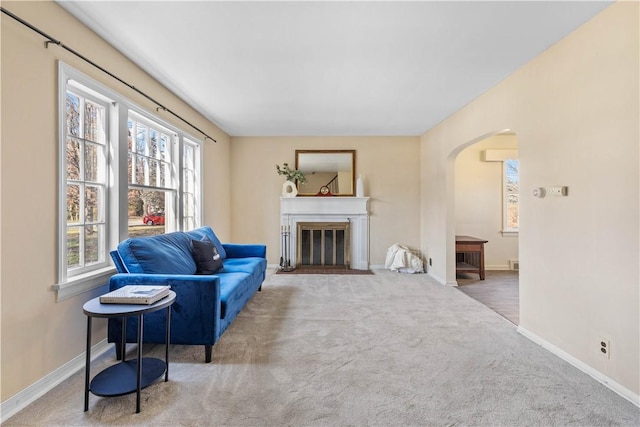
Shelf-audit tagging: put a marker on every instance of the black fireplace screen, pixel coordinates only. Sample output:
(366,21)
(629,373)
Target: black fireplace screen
(323,244)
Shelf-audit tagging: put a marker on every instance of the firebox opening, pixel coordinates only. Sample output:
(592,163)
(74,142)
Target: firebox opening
(323,244)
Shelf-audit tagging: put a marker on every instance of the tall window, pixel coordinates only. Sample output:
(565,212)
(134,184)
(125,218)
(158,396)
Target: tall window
(117,163)
(151,153)
(511,220)
(85,130)
(191,189)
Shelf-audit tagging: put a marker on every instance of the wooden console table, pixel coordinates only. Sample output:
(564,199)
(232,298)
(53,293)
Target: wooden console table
(470,255)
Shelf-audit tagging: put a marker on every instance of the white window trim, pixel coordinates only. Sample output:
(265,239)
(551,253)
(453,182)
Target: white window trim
(117,187)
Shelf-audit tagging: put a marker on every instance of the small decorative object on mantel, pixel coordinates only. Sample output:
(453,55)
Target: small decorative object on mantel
(359,187)
(324,191)
(289,188)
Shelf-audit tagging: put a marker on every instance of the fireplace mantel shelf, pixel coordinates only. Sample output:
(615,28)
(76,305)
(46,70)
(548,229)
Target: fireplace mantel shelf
(354,210)
(324,205)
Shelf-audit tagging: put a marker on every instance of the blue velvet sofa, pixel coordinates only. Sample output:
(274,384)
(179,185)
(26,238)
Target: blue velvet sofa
(205,305)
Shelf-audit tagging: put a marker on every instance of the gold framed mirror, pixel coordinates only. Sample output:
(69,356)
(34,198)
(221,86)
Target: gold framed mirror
(328,172)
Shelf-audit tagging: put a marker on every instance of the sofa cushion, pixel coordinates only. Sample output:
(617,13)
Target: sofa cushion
(163,254)
(233,292)
(252,265)
(200,232)
(206,256)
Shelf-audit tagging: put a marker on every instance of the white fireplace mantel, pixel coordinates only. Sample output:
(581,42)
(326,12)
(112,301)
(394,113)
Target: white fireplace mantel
(354,210)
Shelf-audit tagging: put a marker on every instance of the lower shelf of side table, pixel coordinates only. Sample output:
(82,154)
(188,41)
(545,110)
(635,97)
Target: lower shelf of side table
(121,378)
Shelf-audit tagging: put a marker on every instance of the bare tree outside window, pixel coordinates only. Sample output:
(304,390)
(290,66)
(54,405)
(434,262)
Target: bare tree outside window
(148,171)
(85,164)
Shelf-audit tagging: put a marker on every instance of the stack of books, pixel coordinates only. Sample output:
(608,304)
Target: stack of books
(143,294)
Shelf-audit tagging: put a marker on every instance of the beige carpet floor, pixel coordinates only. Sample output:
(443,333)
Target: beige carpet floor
(387,349)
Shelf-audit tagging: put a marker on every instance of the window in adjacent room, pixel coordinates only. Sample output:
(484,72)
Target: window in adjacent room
(511,195)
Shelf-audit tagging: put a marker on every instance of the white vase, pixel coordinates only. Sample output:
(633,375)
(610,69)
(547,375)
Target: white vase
(359,187)
(289,189)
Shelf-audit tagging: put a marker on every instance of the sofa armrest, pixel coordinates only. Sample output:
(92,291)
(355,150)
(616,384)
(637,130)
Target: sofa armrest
(176,281)
(235,250)
(195,313)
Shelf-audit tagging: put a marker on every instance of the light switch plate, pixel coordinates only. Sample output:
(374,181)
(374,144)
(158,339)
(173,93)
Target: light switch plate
(558,191)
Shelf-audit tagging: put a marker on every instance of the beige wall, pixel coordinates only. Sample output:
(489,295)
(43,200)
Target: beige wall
(389,167)
(478,200)
(575,110)
(39,335)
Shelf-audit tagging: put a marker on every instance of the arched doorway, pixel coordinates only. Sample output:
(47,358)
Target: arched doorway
(485,206)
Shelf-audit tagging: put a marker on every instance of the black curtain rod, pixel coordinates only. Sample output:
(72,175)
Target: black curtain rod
(87,60)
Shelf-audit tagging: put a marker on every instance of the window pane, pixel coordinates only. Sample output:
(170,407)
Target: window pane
(73,203)
(73,114)
(94,235)
(73,159)
(153,143)
(141,165)
(164,173)
(512,211)
(141,139)
(146,212)
(188,157)
(153,173)
(188,181)
(94,163)
(189,223)
(93,204)
(188,205)
(94,119)
(164,147)
(73,247)
(130,167)
(512,175)
(130,125)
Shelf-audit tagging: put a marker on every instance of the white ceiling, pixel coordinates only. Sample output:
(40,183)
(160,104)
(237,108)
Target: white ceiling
(330,68)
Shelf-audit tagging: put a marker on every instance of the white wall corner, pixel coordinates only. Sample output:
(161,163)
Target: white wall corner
(440,279)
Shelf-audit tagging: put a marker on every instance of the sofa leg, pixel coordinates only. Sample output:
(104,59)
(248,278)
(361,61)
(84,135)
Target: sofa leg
(207,353)
(118,351)
(260,288)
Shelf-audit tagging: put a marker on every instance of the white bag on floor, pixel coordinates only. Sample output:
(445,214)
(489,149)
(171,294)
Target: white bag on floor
(400,259)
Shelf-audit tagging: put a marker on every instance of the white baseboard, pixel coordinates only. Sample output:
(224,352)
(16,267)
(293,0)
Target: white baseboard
(496,267)
(593,373)
(441,280)
(21,400)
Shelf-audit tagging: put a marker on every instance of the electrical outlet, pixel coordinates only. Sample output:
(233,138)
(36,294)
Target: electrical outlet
(604,347)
